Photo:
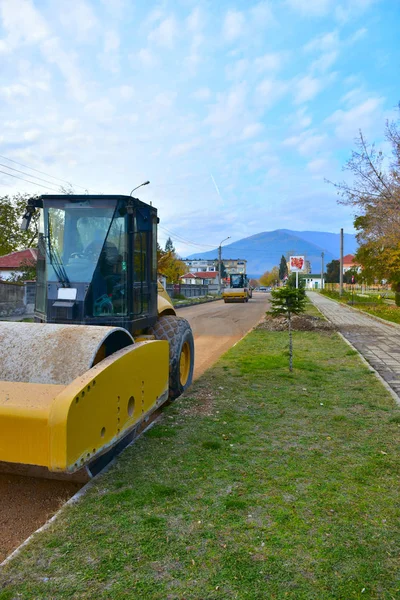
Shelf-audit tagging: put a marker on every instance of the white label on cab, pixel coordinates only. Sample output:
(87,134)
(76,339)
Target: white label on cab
(66,293)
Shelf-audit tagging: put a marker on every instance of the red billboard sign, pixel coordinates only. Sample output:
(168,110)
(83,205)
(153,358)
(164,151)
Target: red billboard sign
(297,263)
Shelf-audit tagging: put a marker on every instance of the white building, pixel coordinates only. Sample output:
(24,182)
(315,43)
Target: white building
(202,265)
(313,281)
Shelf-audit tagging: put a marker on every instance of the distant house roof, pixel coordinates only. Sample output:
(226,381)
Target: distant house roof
(206,274)
(16,260)
(200,275)
(348,259)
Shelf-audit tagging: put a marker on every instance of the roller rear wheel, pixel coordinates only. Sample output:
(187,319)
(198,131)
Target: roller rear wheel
(178,333)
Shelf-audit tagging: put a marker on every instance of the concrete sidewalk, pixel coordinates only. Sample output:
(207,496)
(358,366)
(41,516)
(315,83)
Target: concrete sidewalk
(377,342)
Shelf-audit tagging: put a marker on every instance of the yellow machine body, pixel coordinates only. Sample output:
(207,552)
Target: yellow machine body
(235,295)
(63,428)
(164,304)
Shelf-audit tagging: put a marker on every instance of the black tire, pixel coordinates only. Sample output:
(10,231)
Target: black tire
(178,333)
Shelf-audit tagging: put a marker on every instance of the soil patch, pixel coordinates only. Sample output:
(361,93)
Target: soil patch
(26,504)
(299,323)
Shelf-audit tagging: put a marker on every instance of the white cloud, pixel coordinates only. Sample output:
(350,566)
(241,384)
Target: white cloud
(237,70)
(126,92)
(110,58)
(324,62)
(111,41)
(67,64)
(318,165)
(116,8)
(165,33)
(69,126)
(202,94)
(262,14)
(308,142)
(365,116)
(195,21)
(32,135)
(326,42)
(184,148)
(100,109)
(307,88)
(300,119)
(346,11)
(233,26)
(14,90)
(251,131)
(225,114)
(268,62)
(161,105)
(194,58)
(269,91)
(79,18)
(145,58)
(358,35)
(165,99)
(312,8)
(22,23)
(259,147)
(353,96)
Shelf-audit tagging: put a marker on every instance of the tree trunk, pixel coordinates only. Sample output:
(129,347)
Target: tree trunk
(290,343)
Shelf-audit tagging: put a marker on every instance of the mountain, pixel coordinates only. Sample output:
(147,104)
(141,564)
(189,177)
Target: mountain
(329,241)
(264,250)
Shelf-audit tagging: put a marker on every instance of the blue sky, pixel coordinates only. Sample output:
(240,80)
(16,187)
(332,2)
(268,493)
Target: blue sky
(235,111)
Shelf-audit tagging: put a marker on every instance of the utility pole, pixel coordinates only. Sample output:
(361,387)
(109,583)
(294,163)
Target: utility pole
(219,268)
(341,264)
(220,262)
(322,270)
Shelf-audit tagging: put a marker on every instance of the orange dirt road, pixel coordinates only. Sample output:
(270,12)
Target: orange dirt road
(26,503)
(218,326)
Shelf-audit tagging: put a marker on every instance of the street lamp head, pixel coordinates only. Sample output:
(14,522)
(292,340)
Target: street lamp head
(137,187)
(227,238)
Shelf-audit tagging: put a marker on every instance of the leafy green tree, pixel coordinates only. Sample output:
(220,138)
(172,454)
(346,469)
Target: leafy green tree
(170,265)
(288,301)
(169,246)
(350,273)
(12,209)
(254,283)
(224,274)
(291,281)
(333,272)
(26,272)
(283,270)
(269,278)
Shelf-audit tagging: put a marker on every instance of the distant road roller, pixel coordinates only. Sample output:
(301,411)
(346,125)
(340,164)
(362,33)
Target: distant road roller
(106,350)
(238,290)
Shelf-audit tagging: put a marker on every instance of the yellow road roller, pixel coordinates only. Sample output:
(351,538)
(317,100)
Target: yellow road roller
(106,349)
(238,290)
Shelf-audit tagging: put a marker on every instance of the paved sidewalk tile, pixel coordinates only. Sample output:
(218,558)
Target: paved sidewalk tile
(378,342)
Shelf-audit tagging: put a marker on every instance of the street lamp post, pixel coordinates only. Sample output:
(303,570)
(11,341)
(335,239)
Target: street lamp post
(219,262)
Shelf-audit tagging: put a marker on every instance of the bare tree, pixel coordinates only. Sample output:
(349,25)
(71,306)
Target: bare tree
(375,189)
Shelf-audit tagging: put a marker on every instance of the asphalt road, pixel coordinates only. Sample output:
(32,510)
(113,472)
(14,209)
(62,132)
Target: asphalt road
(26,504)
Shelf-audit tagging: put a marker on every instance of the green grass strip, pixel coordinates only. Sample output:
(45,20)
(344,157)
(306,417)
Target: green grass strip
(259,484)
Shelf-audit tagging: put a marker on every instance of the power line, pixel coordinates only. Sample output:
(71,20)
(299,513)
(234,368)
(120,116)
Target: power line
(183,240)
(27,174)
(22,179)
(42,172)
